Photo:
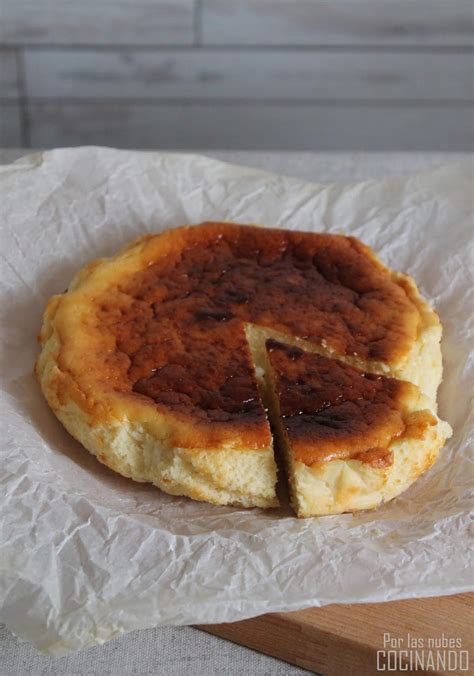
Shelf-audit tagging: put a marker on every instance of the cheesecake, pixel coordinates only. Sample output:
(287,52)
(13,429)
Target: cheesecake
(161,362)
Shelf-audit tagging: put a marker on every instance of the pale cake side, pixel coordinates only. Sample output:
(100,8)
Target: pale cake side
(422,365)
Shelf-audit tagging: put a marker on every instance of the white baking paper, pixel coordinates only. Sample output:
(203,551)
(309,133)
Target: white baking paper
(88,555)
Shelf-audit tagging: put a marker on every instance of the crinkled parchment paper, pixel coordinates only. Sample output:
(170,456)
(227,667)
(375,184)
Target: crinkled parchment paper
(88,555)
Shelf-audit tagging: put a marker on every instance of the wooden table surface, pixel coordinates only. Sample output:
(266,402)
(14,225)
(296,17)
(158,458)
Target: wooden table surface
(358,639)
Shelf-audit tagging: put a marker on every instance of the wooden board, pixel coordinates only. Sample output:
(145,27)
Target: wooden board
(339,640)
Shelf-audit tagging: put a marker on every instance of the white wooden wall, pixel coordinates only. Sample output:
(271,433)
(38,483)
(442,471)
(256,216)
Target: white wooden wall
(262,74)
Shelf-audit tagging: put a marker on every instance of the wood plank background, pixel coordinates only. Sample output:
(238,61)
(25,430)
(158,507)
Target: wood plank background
(198,126)
(97,22)
(262,74)
(337,22)
(289,75)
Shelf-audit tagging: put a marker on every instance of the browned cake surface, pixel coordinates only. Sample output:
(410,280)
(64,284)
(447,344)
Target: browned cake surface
(331,410)
(178,319)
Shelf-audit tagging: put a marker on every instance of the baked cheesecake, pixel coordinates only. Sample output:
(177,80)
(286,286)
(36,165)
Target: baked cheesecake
(156,361)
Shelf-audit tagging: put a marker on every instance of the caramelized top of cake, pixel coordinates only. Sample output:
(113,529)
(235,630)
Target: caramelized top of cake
(331,410)
(179,319)
(165,318)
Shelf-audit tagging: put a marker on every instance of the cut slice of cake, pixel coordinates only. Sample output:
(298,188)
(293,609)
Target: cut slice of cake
(349,439)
